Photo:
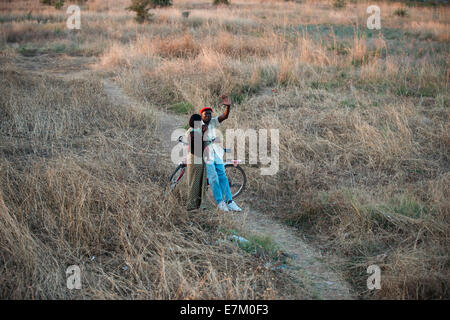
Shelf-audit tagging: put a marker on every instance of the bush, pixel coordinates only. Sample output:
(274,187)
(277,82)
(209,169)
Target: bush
(217,2)
(141,7)
(56,3)
(339,3)
(401,12)
(160,3)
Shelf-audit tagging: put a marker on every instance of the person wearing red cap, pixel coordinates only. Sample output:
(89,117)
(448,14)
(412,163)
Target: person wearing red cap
(215,169)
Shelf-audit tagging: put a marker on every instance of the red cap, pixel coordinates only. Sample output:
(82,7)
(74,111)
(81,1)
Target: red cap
(206,108)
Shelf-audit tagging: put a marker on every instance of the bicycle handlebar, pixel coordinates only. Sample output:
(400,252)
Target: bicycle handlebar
(180,140)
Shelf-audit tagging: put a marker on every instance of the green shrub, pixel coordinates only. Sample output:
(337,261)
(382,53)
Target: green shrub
(142,7)
(160,3)
(217,2)
(58,4)
(181,107)
(401,12)
(339,3)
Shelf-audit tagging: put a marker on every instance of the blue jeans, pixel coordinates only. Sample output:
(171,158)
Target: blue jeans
(218,182)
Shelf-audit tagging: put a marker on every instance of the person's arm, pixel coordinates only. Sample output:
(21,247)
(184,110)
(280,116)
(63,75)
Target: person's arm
(187,137)
(227,103)
(191,142)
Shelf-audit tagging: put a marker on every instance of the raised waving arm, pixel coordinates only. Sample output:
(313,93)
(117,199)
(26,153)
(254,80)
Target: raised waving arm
(226,102)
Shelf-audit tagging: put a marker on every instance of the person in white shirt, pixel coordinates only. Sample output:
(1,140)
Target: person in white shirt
(215,169)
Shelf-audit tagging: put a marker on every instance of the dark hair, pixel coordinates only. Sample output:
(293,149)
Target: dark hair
(194,117)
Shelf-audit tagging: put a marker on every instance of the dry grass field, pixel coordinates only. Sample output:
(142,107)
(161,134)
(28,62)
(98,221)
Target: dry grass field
(364,147)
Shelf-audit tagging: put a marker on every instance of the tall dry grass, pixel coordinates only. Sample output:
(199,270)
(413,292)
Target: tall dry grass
(364,151)
(82,182)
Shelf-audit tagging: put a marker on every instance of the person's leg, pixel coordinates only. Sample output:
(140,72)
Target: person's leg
(223,180)
(191,199)
(194,175)
(203,187)
(213,180)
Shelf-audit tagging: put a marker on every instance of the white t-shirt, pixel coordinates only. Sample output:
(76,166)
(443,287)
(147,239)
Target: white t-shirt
(210,135)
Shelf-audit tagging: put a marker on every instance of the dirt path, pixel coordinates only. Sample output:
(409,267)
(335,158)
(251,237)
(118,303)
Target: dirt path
(304,264)
(167,123)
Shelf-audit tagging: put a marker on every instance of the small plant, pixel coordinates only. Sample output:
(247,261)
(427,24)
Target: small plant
(260,245)
(401,12)
(141,7)
(339,3)
(160,3)
(217,2)
(181,107)
(58,4)
(29,16)
(27,52)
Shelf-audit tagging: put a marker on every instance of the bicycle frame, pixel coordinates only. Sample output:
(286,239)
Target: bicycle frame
(234,162)
(183,163)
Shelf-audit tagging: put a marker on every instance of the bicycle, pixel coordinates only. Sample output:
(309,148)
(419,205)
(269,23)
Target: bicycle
(234,172)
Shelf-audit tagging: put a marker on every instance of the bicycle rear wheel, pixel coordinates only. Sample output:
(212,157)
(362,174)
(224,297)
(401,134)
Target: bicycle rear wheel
(177,175)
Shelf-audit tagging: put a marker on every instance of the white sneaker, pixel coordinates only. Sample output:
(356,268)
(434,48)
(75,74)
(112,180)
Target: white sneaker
(233,206)
(222,206)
